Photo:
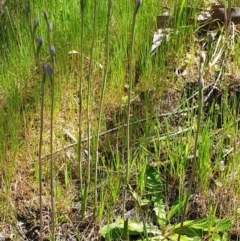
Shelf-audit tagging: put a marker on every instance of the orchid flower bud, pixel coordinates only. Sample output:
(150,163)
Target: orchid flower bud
(52,50)
(36,23)
(45,13)
(40,41)
(201,82)
(47,69)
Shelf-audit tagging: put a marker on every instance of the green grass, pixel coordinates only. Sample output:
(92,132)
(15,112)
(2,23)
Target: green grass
(112,179)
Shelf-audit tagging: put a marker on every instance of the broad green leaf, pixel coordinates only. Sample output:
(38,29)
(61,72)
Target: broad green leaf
(113,231)
(216,237)
(191,232)
(193,227)
(154,184)
(154,239)
(174,237)
(154,188)
(116,230)
(197,224)
(159,209)
(222,225)
(225,236)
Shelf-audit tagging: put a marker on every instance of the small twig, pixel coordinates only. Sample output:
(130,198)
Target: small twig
(216,81)
(72,137)
(172,134)
(229,151)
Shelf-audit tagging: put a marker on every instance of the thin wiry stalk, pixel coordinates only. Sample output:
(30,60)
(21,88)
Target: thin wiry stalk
(40,157)
(102,95)
(35,26)
(138,3)
(82,8)
(88,110)
(194,163)
(52,53)
(49,27)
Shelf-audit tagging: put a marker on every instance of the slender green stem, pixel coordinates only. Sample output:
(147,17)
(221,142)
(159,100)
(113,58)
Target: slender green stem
(40,157)
(52,53)
(194,163)
(51,147)
(49,28)
(32,31)
(102,96)
(129,103)
(88,110)
(82,8)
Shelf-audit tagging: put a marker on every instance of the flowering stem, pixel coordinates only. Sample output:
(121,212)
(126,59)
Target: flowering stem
(194,163)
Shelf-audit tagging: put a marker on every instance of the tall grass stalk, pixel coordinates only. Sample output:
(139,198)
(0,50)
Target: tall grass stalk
(102,95)
(40,151)
(52,53)
(137,6)
(194,162)
(82,10)
(85,197)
